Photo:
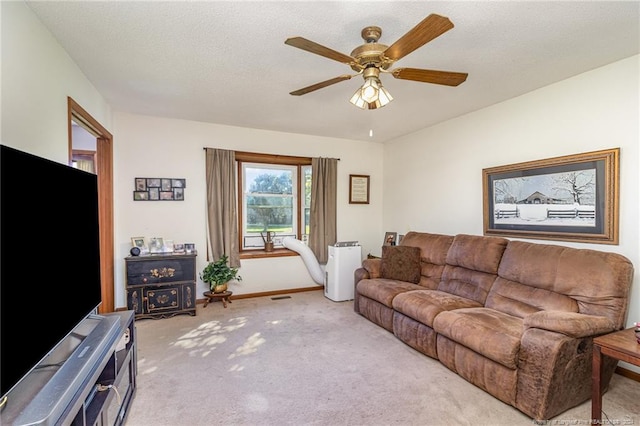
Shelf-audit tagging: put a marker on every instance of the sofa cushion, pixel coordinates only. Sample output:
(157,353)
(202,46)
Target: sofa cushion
(477,252)
(383,290)
(433,252)
(568,272)
(467,283)
(401,263)
(434,247)
(521,300)
(424,305)
(472,266)
(490,333)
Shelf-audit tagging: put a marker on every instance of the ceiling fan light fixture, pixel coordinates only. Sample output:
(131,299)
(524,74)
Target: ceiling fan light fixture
(371,95)
(370,89)
(384,97)
(357,100)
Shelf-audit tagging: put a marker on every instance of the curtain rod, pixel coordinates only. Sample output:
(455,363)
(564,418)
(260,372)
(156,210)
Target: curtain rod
(244,152)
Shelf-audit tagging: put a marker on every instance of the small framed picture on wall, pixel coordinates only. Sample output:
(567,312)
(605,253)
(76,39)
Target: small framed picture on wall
(358,189)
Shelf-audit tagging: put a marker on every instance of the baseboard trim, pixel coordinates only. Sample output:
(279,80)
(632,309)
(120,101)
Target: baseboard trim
(269,293)
(628,373)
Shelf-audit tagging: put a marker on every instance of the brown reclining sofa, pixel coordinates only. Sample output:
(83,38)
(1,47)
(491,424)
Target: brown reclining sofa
(515,318)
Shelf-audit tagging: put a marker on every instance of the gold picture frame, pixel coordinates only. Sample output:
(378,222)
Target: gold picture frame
(568,198)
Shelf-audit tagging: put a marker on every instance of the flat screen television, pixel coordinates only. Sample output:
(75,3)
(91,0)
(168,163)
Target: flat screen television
(49,258)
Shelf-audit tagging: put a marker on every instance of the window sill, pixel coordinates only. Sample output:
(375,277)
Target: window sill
(259,254)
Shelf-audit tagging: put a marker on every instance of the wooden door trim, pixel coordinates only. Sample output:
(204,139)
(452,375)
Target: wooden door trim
(104,170)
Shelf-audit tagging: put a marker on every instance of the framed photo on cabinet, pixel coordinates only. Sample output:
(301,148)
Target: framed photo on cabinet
(156,245)
(141,243)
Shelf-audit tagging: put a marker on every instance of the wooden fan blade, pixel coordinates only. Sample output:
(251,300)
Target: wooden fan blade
(318,49)
(446,78)
(431,27)
(320,85)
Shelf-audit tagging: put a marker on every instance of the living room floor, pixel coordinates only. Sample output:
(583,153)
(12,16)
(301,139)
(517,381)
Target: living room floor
(306,360)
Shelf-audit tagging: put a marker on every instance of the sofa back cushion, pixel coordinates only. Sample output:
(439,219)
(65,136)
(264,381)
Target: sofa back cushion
(472,266)
(433,255)
(521,300)
(401,263)
(535,277)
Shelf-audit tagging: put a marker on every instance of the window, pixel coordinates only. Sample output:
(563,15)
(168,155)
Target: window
(275,196)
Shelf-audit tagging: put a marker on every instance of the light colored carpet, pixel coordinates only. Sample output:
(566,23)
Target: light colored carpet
(306,360)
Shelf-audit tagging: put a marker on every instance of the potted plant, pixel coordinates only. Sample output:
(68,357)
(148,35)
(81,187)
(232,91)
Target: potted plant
(217,274)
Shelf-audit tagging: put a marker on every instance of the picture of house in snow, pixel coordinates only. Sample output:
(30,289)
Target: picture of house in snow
(539,198)
(572,202)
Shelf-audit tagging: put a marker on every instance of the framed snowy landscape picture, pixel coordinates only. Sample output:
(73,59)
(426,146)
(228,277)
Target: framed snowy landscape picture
(569,198)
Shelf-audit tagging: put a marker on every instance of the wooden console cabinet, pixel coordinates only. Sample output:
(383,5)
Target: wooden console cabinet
(161,285)
(93,384)
(114,389)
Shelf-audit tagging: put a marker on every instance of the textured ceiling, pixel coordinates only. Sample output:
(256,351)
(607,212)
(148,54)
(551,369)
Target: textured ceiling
(226,62)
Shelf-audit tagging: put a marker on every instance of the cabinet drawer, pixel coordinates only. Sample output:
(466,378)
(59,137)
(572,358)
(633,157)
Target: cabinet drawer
(158,271)
(163,298)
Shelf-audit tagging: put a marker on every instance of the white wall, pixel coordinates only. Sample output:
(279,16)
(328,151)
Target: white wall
(433,178)
(425,173)
(158,147)
(37,77)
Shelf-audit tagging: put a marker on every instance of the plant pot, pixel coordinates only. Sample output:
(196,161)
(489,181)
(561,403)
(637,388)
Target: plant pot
(268,246)
(220,288)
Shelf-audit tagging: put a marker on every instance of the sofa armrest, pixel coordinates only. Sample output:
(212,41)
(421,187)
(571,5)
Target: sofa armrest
(370,269)
(554,372)
(571,324)
(373,267)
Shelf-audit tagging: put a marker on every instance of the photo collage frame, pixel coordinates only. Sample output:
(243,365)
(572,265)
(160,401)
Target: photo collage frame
(159,189)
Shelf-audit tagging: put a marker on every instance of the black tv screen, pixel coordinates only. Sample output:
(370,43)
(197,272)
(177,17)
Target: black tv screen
(50,258)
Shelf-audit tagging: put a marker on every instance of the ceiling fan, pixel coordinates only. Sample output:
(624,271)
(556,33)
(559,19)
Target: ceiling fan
(373,58)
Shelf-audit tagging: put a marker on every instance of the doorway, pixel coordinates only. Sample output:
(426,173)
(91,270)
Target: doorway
(103,167)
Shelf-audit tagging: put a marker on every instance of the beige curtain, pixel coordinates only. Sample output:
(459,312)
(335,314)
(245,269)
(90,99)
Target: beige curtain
(86,165)
(322,223)
(222,216)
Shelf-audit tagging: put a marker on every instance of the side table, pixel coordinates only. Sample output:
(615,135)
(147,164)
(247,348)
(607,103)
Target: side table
(211,297)
(620,345)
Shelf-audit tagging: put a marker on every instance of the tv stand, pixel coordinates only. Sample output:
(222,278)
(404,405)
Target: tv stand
(89,379)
